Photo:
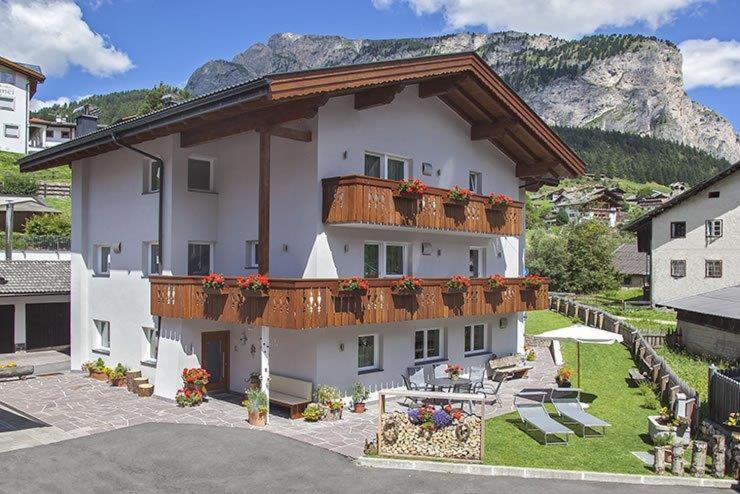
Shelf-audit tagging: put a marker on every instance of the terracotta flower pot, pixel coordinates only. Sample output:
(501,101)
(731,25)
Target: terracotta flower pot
(118,382)
(359,408)
(99,376)
(257,419)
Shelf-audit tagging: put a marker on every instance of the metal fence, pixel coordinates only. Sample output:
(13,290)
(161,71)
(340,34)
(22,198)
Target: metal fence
(23,241)
(724,393)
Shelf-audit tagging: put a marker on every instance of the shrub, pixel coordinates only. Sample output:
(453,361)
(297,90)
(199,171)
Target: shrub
(256,401)
(313,412)
(19,185)
(359,393)
(650,399)
(326,394)
(56,225)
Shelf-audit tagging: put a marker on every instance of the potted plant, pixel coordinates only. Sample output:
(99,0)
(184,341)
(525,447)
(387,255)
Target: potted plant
(352,287)
(411,189)
(359,395)
(563,377)
(406,285)
(533,282)
(499,201)
(334,409)
(458,196)
(457,284)
(330,399)
(453,371)
(257,406)
(255,380)
(668,424)
(254,285)
(733,422)
(117,375)
(531,355)
(194,387)
(495,282)
(313,412)
(97,370)
(188,397)
(213,283)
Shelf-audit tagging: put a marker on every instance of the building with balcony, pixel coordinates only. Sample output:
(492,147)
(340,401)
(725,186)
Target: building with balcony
(296,176)
(45,133)
(18,83)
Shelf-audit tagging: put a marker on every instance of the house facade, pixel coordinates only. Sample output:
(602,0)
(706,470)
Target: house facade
(693,240)
(296,176)
(18,83)
(44,133)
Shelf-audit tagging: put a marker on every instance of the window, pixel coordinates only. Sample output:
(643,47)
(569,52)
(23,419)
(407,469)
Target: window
(383,166)
(65,134)
(49,134)
(678,269)
(713,269)
(7,103)
(200,173)
(476,262)
(199,259)
(714,228)
(103,335)
(713,194)
(252,259)
(475,338)
(12,131)
(151,344)
(152,172)
(102,260)
(151,265)
(7,77)
(427,344)
(384,259)
(474,182)
(678,229)
(367,352)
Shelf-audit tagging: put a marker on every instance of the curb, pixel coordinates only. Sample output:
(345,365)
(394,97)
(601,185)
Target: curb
(539,473)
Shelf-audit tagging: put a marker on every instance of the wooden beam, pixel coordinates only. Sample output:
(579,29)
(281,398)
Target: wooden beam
(493,130)
(535,169)
(376,97)
(263,228)
(288,133)
(440,85)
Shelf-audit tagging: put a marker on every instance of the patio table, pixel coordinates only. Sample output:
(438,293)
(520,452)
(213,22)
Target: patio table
(443,383)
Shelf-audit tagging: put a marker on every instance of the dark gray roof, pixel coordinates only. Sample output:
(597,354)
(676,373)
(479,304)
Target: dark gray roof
(724,302)
(31,66)
(627,260)
(34,277)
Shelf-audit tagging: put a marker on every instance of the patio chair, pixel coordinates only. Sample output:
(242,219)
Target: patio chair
(414,381)
(439,371)
(530,405)
(568,405)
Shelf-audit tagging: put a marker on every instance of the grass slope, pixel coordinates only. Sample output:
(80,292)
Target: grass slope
(8,166)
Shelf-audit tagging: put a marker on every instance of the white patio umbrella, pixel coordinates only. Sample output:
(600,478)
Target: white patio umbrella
(582,334)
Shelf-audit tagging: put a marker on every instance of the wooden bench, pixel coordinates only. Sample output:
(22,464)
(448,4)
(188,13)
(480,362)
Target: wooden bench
(636,376)
(511,365)
(290,393)
(21,372)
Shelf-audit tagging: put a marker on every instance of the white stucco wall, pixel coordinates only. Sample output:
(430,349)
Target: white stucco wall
(695,248)
(18,116)
(704,340)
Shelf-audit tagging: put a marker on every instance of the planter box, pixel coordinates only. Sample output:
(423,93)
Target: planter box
(446,291)
(350,293)
(491,207)
(680,435)
(409,196)
(212,291)
(99,376)
(405,293)
(254,293)
(453,202)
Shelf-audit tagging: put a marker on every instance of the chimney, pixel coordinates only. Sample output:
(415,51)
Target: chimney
(86,122)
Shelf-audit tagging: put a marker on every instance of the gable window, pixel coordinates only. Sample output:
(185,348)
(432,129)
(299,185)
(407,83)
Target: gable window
(384,166)
(151,258)
(102,260)
(367,352)
(713,268)
(49,134)
(7,103)
(151,344)
(678,229)
(252,259)
(678,268)
(12,131)
(475,182)
(199,258)
(152,171)
(427,344)
(475,338)
(200,175)
(103,334)
(476,262)
(714,228)
(384,259)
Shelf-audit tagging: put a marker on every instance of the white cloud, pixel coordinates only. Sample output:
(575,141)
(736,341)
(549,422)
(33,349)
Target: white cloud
(53,34)
(710,62)
(37,104)
(564,18)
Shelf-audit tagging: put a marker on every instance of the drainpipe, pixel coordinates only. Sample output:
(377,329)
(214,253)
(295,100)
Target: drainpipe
(8,230)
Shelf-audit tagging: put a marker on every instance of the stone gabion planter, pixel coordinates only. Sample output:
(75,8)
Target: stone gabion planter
(459,441)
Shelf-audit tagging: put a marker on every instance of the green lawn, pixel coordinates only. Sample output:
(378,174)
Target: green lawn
(7,166)
(604,370)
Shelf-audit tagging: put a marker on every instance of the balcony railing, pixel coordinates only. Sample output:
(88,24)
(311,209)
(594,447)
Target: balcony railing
(317,303)
(360,199)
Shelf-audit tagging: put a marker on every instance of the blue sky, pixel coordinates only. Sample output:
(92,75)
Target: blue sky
(111,45)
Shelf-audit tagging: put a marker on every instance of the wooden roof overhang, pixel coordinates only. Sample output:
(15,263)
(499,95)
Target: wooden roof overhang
(34,78)
(462,81)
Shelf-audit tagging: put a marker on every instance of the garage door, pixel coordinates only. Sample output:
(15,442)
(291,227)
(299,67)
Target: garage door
(47,325)
(7,328)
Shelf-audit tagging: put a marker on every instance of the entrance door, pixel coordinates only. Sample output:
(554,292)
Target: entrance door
(47,325)
(215,359)
(7,328)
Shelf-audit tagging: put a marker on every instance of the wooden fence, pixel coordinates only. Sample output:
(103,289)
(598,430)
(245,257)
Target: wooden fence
(54,189)
(724,393)
(643,353)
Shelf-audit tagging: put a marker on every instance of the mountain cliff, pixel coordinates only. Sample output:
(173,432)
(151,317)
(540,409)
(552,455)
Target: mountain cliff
(621,83)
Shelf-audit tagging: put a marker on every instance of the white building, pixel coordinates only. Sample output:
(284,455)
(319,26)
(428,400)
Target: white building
(294,175)
(44,133)
(693,240)
(18,83)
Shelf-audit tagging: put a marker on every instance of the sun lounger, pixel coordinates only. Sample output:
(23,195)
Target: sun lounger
(568,405)
(530,405)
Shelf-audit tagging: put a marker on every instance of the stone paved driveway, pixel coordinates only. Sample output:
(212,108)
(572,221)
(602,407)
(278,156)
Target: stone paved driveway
(52,408)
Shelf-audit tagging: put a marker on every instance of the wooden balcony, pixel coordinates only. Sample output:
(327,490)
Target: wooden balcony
(315,303)
(359,199)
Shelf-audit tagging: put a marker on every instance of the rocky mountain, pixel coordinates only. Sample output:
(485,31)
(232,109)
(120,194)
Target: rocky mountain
(619,83)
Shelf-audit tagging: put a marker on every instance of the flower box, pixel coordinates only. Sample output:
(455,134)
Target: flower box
(99,375)
(410,189)
(406,286)
(679,434)
(350,293)
(406,292)
(253,293)
(118,382)
(406,195)
(213,283)
(459,291)
(212,291)
(352,287)
(456,285)
(455,202)
(254,285)
(458,196)
(498,202)
(495,283)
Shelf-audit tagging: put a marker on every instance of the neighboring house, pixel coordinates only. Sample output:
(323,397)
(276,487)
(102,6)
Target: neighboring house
(709,323)
(23,210)
(678,188)
(34,305)
(631,265)
(591,202)
(43,133)
(295,175)
(18,83)
(651,201)
(693,239)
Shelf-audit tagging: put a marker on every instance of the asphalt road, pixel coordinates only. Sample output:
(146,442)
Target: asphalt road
(191,458)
